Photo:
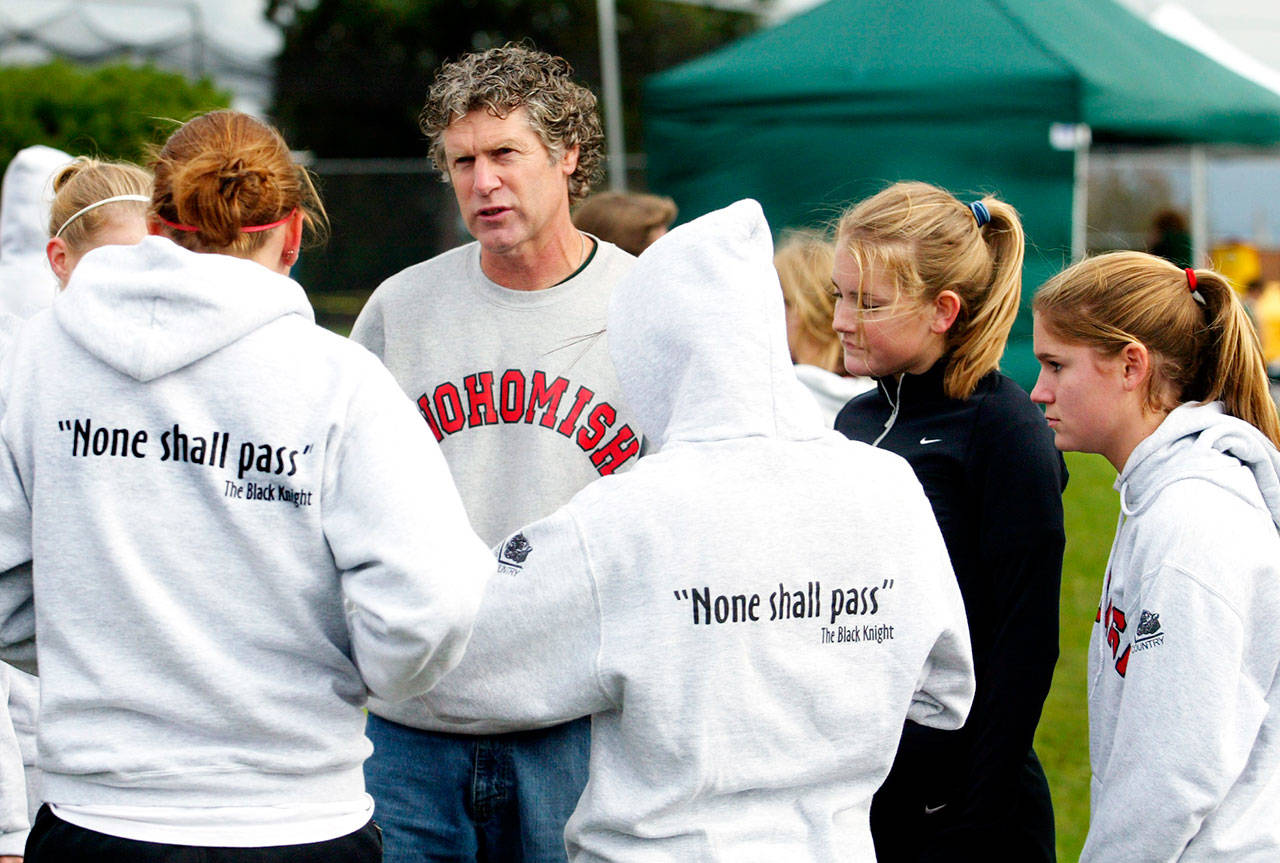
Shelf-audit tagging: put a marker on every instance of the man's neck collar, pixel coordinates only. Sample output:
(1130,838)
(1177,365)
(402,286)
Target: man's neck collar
(536,266)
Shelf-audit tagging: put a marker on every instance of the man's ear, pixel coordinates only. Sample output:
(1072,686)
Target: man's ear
(569,161)
(946,308)
(56,250)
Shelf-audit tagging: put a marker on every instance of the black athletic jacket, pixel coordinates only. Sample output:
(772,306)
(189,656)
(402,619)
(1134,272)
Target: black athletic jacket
(995,480)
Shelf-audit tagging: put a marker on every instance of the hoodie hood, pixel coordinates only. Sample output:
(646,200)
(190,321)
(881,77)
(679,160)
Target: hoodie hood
(698,336)
(1202,442)
(151,309)
(26,282)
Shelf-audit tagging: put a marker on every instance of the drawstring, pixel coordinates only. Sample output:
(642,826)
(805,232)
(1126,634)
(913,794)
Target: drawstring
(1124,506)
(888,424)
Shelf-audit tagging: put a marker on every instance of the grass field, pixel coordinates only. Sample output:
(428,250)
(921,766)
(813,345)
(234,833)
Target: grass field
(1063,738)
(1062,741)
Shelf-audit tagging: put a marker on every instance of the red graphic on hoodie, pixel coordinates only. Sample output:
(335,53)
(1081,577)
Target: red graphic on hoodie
(1116,623)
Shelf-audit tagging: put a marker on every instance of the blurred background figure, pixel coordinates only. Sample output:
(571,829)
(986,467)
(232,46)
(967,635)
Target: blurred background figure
(1239,261)
(1171,238)
(803,261)
(629,220)
(26,285)
(1262,301)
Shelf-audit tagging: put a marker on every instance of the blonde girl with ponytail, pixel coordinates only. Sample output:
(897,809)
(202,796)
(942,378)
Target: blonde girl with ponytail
(803,261)
(927,288)
(95,203)
(1158,369)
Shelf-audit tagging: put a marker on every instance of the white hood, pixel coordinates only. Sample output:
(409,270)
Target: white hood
(26,282)
(709,282)
(1190,443)
(151,309)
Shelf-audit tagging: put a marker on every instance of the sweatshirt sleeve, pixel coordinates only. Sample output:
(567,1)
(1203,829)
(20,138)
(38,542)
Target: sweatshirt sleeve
(13,782)
(17,612)
(412,568)
(945,693)
(1185,722)
(532,659)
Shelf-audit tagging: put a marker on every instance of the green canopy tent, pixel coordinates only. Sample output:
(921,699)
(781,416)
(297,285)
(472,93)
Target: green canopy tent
(832,105)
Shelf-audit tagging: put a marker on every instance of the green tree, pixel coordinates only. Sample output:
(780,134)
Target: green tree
(353,73)
(113,110)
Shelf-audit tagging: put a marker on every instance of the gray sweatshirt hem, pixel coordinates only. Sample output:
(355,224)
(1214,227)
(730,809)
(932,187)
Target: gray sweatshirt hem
(233,786)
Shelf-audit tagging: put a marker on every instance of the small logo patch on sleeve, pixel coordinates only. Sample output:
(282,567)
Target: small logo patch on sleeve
(514,553)
(1149,633)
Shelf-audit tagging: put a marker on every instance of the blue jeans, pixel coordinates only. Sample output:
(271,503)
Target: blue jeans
(459,798)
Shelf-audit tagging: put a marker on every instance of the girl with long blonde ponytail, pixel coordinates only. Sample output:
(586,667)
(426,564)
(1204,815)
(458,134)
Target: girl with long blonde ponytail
(1158,369)
(927,290)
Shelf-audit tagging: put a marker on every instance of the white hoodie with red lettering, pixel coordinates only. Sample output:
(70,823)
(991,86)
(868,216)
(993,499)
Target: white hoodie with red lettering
(749,614)
(1184,697)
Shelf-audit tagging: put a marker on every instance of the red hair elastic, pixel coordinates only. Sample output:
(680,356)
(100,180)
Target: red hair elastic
(252,229)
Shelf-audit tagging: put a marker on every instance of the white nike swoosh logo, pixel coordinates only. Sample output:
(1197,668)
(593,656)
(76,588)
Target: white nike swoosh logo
(929,440)
(929,810)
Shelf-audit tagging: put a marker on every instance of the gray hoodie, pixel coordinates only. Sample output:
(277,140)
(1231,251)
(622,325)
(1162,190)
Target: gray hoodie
(749,614)
(27,285)
(1184,698)
(240,528)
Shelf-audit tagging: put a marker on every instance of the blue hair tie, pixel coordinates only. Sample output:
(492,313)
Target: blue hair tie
(981,214)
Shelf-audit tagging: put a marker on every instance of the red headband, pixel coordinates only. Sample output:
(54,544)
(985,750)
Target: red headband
(253,229)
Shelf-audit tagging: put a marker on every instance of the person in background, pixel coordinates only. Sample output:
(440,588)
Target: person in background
(1237,261)
(1171,238)
(803,261)
(629,220)
(1158,369)
(95,203)
(747,667)
(26,285)
(501,344)
(238,529)
(928,290)
(1262,302)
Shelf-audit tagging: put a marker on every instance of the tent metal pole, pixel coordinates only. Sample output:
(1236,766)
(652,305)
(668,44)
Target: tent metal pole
(615,145)
(1080,195)
(1199,206)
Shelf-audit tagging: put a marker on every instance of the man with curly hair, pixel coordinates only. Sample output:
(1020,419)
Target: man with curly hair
(501,344)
